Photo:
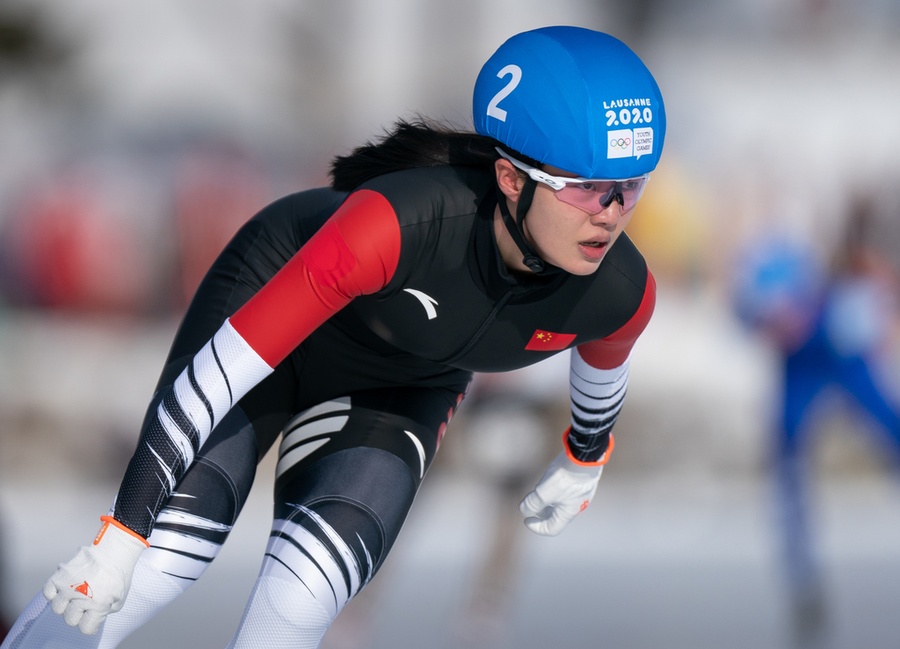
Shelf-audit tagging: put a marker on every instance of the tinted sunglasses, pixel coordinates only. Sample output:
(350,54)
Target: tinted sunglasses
(593,195)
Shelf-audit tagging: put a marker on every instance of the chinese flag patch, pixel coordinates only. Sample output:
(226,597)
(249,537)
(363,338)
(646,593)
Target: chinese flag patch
(547,341)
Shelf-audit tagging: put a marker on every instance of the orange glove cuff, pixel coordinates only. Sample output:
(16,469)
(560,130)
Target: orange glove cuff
(603,458)
(109,520)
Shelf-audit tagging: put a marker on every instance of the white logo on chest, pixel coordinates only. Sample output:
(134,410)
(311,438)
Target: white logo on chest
(427,301)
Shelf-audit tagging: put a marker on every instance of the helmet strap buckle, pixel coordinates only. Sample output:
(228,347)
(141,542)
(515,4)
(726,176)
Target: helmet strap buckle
(514,226)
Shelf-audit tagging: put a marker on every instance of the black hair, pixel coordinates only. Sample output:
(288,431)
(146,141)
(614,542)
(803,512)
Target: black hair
(422,143)
(411,144)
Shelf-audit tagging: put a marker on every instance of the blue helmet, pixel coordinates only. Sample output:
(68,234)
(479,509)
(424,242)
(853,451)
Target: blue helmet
(573,98)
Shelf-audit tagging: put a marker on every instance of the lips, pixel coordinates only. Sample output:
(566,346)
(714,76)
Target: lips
(593,249)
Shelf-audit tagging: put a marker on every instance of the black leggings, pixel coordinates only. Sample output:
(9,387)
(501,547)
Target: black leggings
(347,473)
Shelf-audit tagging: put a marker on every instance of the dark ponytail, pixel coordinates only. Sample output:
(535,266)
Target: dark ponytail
(417,143)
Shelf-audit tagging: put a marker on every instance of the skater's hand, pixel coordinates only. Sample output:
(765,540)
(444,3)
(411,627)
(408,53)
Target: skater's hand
(95,582)
(565,490)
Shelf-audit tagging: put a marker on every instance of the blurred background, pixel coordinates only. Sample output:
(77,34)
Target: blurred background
(136,137)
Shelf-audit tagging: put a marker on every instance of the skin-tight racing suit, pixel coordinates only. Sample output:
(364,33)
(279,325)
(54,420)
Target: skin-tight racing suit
(351,325)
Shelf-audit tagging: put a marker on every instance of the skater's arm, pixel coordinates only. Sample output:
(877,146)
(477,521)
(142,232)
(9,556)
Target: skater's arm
(598,379)
(354,253)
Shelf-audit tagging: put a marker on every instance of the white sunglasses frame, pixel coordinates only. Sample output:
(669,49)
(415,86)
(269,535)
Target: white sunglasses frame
(558,182)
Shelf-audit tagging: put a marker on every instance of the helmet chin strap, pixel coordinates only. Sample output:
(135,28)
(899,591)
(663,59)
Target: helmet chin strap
(514,226)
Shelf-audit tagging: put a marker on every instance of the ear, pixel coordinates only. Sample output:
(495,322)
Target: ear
(509,179)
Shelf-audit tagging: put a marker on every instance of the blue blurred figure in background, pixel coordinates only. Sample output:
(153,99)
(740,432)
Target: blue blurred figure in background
(830,327)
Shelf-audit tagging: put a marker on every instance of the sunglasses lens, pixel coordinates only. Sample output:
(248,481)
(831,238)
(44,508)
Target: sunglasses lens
(596,195)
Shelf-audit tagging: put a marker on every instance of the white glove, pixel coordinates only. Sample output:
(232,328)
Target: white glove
(95,582)
(565,490)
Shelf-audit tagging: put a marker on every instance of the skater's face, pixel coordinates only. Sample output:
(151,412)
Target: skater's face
(573,237)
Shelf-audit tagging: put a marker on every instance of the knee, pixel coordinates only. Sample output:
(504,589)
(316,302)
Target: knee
(361,495)
(332,549)
(281,613)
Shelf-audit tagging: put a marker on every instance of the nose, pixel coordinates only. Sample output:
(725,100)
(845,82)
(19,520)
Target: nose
(605,201)
(608,216)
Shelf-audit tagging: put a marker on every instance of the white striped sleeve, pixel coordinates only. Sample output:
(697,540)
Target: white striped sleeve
(596,396)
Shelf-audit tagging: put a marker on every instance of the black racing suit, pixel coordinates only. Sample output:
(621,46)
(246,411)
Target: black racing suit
(372,332)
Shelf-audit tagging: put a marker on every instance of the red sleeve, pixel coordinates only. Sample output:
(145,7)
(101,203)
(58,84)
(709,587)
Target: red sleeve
(355,253)
(610,352)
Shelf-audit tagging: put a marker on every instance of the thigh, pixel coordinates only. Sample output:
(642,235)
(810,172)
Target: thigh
(347,474)
(801,389)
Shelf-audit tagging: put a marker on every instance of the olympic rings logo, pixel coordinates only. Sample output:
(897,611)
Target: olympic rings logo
(620,143)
